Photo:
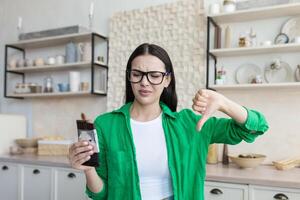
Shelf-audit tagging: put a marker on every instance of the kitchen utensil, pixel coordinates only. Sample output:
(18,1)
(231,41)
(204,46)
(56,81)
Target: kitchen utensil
(246,73)
(74,81)
(277,73)
(247,160)
(291,27)
(27,142)
(287,163)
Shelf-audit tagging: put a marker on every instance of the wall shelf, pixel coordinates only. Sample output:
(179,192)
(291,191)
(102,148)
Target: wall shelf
(56,94)
(290,9)
(243,51)
(257,86)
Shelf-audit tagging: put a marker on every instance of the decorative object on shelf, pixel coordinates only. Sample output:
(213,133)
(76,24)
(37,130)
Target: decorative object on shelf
(297,73)
(74,81)
(51,60)
(53,32)
(225,159)
(48,84)
(249,160)
(228,36)
(281,38)
(28,62)
(63,87)
(214,9)
(20,62)
(246,73)
(39,62)
(247,4)
(266,43)
(258,79)
(35,88)
(291,28)
(221,77)
(71,52)
(60,59)
(91,16)
(253,38)
(244,40)
(212,155)
(84,86)
(278,71)
(84,52)
(297,40)
(229,6)
(12,63)
(101,60)
(20,26)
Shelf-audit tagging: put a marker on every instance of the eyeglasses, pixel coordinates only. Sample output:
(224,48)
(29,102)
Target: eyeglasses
(154,77)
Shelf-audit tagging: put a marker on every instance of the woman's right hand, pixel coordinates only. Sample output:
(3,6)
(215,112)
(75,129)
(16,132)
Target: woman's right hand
(80,152)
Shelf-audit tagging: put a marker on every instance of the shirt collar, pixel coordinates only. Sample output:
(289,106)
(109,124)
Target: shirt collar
(125,109)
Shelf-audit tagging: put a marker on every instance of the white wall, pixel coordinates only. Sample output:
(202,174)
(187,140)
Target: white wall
(40,15)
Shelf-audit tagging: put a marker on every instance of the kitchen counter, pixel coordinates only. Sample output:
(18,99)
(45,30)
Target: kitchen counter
(265,175)
(54,161)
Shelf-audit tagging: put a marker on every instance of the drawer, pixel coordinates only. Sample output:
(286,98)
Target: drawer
(273,193)
(225,191)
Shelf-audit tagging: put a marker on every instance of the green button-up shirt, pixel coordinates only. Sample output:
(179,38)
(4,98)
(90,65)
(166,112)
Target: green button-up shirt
(186,148)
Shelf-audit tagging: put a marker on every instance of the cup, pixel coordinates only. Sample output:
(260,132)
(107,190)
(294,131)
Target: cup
(12,63)
(39,62)
(63,87)
(51,61)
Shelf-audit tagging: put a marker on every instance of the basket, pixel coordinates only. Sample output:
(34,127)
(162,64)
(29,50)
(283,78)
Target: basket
(54,148)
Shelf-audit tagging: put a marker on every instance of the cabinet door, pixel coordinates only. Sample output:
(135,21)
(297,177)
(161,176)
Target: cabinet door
(70,184)
(37,183)
(273,193)
(225,191)
(9,181)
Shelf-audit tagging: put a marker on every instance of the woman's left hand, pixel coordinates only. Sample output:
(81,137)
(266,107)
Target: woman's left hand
(207,102)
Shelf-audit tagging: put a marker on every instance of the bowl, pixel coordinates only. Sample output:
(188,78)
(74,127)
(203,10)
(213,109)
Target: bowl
(27,142)
(249,160)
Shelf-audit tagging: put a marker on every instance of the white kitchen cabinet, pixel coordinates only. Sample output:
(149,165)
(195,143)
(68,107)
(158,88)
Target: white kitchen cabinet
(37,183)
(9,180)
(225,191)
(69,184)
(273,193)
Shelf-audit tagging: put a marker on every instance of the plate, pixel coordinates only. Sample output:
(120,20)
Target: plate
(292,28)
(246,72)
(282,73)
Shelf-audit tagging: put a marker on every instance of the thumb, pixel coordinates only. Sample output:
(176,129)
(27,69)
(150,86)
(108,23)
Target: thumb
(202,121)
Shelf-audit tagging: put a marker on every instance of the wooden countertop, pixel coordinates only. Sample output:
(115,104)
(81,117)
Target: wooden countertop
(265,175)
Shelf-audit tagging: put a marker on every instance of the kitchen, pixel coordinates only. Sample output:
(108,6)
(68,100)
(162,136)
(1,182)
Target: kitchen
(180,27)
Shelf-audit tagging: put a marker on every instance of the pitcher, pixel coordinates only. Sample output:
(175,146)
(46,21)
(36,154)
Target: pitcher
(84,52)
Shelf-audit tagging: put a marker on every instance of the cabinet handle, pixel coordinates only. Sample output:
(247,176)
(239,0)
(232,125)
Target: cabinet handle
(4,168)
(36,171)
(71,175)
(280,196)
(216,191)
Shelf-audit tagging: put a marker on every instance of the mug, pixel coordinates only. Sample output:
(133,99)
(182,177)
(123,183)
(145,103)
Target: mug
(51,61)
(60,59)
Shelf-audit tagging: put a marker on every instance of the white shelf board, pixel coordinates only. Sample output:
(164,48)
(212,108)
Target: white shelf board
(52,41)
(257,86)
(54,94)
(279,48)
(290,9)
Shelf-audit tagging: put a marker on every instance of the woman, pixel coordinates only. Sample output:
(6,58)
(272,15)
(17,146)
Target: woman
(150,151)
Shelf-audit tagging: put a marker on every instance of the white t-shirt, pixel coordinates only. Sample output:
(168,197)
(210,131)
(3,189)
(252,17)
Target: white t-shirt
(152,160)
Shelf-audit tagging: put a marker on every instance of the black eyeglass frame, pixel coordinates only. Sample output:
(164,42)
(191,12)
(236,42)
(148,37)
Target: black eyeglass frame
(146,74)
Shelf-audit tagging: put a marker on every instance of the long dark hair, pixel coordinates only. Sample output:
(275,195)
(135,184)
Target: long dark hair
(168,96)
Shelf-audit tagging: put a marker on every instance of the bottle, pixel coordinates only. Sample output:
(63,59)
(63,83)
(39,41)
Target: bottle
(225,159)
(212,155)
(228,34)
